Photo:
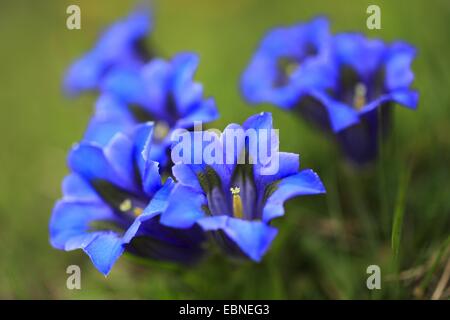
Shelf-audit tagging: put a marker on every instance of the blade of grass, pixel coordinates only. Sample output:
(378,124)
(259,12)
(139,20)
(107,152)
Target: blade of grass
(427,279)
(399,214)
(381,175)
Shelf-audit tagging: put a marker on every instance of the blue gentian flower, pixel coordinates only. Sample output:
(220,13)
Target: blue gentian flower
(121,45)
(235,201)
(354,77)
(289,62)
(370,76)
(161,91)
(112,201)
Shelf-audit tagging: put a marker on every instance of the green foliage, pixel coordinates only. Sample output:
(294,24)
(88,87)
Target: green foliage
(325,243)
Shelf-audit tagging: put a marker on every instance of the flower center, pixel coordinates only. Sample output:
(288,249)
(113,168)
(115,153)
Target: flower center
(160,130)
(286,66)
(127,207)
(237,203)
(359,97)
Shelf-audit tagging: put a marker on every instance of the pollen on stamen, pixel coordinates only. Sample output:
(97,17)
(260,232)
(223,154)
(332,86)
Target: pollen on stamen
(237,203)
(161,129)
(126,205)
(235,190)
(138,211)
(359,99)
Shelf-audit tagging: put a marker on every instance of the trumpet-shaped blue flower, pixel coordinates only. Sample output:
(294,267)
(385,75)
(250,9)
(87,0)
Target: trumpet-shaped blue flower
(121,45)
(161,91)
(236,200)
(370,76)
(355,76)
(112,201)
(289,63)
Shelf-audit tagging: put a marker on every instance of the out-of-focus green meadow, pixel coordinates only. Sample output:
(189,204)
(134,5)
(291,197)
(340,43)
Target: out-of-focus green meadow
(325,243)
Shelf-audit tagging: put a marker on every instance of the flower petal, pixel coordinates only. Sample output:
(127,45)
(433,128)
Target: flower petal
(407,98)
(289,164)
(75,188)
(304,44)
(125,84)
(104,251)
(363,55)
(340,114)
(398,66)
(112,163)
(149,169)
(306,182)
(70,222)
(205,111)
(116,46)
(185,207)
(70,230)
(111,117)
(252,237)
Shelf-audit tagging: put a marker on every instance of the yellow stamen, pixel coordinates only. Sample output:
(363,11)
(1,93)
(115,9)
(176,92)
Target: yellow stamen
(288,66)
(160,130)
(126,205)
(237,203)
(137,211)
(359,99)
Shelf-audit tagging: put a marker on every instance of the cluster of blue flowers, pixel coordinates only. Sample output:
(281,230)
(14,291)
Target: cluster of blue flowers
(344,84)
(124,193)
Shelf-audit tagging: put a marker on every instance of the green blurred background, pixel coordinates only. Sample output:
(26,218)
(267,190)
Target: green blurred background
(325,243)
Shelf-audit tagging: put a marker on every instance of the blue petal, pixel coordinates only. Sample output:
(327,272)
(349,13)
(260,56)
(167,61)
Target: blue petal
(111,117)
(157,205)
(120,37)
(194,149)
(259,81)
(340,114)
(76,188)
(186,176)
(267,142)
(108,107)
(398,66)
(125,84)
(155,76)
(116,46)
(407,98)
(101,131)
(306,182)
(362,54)
(104,251)
(252,237)
(113,163)
(186,92)
(119,153)
(159,153)
(83,74)
(185,207)
(289,164)
(149,169)
(69,230)
(232,147)
(206,111)
(258,121)
(70,222)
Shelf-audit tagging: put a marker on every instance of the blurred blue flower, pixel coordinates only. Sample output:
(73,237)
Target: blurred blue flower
(112,201)
(370,76)
(161,91)
(336,83)
(235,201)
(120,45)
(289,62)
